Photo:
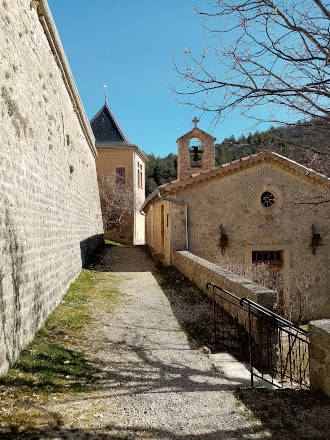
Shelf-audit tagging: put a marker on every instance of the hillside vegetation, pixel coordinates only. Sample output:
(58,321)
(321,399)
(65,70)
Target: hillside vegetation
(299,143)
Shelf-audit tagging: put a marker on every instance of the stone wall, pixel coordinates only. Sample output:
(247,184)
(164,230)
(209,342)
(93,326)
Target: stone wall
(50,215)
(158,230)
(123,233)
(233,200)
(319,338)
(200,272)
(207,158)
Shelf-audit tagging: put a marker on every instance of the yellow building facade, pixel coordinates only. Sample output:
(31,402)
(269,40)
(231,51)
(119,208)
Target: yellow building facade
(125,162)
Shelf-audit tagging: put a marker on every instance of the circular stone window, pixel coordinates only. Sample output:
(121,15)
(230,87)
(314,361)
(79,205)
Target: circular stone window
(267,199)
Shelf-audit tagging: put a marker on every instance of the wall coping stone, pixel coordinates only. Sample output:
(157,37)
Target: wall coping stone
(201,271)
(323,325)
(49,27)
(319,348)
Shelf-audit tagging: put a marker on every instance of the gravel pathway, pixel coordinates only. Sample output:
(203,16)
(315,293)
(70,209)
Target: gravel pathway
(155,382)
(150,375)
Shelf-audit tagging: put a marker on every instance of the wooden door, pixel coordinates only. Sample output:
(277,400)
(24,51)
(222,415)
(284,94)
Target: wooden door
(273,259)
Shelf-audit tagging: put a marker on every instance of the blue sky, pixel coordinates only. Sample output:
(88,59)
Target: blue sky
(128,45)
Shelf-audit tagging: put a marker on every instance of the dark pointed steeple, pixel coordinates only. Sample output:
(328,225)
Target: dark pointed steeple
(107,130)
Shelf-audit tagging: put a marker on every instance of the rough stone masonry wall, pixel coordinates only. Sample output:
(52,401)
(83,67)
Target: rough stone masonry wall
(234,202)
(201,271)
(49,204)
(208,156)
(319,337)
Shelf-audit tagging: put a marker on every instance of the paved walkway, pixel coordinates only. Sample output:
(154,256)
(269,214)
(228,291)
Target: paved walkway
(156,383)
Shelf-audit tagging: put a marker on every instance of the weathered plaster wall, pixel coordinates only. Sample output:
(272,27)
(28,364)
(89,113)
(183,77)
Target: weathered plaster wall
(132,231)
(139,219)
(106,163)
(159,243)
(234,201)
(50,214)
(111,158)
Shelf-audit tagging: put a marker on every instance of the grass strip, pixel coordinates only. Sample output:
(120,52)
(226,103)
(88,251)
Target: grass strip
(55,362)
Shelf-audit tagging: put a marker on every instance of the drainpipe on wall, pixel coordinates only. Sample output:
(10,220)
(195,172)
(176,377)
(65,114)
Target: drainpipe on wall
(179,202)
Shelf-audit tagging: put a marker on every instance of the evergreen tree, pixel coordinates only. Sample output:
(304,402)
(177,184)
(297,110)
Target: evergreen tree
(284,141)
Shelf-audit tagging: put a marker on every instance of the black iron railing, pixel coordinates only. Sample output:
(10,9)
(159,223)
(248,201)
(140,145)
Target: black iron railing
(277,349)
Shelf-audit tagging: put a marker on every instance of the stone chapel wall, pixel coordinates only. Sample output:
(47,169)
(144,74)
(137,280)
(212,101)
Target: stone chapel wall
(208,156)
(234,202)
(50,217)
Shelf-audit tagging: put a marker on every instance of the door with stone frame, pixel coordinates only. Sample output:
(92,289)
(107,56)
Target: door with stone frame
(274,260)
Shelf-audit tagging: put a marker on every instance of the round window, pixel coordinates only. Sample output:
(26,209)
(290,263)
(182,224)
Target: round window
(267,199)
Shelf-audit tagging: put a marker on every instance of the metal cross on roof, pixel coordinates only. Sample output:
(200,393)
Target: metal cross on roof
(106,93)
(195,121)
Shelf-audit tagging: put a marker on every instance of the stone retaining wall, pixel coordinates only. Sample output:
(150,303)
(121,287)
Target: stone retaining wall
(201,271)
(50,217)
(319,338)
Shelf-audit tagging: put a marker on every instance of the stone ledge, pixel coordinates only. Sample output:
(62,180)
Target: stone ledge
(201,271)
(319,337)
(50,30)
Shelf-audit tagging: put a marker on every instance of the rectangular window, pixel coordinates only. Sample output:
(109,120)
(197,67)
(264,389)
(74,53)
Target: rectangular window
(140,175)
(266,256)
(120,176)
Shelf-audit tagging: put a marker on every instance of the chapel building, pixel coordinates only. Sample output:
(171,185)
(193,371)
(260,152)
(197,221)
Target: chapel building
(249,211)
(125,162)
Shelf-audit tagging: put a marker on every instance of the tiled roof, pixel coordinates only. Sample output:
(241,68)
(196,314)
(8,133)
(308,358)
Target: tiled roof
(107,130)
(237,165)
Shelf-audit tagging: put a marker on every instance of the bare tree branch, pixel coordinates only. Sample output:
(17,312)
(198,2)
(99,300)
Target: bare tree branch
(274,53)
(117,201)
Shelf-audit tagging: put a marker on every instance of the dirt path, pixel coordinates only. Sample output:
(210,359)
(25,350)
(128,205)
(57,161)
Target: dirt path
(154,384)
(151,378)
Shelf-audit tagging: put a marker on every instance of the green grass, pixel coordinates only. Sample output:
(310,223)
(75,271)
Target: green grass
(49,359)
(113,243)
(54,362)
(91,290)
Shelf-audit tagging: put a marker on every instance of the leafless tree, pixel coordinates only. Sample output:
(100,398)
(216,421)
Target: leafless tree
(307,201)
(260,273)
(117,201)
(268,55)
(301,303)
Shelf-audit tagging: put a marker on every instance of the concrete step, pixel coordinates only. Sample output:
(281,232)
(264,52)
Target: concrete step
(236,372)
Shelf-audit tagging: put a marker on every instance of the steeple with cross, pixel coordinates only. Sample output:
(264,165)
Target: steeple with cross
(195,121)
(196,152)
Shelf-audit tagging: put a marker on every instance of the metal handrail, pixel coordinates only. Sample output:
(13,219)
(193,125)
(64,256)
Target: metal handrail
(260,308)
(262,351)
(273,315)
(223,290)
